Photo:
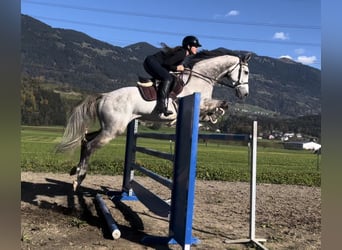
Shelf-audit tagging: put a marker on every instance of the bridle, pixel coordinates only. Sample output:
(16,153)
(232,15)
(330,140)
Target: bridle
(211,79)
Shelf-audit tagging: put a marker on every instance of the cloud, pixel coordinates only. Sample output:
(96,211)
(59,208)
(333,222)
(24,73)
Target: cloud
(286,56)
(233,13)
(299,51)
(281,36)
(307,59)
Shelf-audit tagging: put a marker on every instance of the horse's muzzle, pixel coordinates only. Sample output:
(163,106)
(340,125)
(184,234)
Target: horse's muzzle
(242,91)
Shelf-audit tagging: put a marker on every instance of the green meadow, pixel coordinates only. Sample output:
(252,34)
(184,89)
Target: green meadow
(221,161)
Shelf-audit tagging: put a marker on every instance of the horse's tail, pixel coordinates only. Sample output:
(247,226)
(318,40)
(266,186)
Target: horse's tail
(78,122)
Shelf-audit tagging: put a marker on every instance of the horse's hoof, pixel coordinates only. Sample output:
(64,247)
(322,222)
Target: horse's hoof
(73,171)
(75,185)
(213,120)
(221,111)
(224,105)
(173,122)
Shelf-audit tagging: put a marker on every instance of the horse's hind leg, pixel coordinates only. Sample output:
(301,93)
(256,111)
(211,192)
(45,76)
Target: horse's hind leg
(88,145)
(85,140)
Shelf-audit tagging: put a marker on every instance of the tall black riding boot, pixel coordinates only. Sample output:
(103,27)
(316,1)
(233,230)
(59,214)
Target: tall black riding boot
(164,89)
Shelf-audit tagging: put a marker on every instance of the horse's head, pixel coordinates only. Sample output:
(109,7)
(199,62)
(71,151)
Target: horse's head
(220,66)
(238,76)
(224,67)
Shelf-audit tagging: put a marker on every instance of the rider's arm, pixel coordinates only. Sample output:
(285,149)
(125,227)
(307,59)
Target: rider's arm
(175,60)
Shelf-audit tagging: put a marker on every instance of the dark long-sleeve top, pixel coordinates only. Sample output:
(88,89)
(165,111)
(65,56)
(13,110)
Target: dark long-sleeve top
(170,60)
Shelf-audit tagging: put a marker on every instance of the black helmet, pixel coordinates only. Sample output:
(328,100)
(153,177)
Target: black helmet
(190,41)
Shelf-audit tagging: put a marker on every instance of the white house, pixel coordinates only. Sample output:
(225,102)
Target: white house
(302,145)
(311,146)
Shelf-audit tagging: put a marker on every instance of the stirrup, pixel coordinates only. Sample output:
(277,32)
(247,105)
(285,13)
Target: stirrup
(167,112)
(163,110)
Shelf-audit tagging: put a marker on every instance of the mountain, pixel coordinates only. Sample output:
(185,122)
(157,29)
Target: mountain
(64,57)
(74,58)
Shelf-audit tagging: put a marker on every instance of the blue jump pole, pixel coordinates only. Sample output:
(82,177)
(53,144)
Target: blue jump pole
(184,176)
(114,230)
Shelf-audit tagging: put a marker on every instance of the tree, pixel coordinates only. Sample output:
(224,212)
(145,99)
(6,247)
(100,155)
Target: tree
(40,106)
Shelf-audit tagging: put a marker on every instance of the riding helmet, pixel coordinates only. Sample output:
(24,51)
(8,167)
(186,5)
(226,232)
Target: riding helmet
(190,41)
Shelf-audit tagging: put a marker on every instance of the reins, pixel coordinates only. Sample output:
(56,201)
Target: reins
(211,78)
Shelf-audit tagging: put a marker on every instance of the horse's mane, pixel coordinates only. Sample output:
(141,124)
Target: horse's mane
(207,54)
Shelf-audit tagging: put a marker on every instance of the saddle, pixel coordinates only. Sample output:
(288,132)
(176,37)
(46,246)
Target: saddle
(148,88)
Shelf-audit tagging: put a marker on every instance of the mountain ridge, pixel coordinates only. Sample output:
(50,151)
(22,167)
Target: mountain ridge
(63,56)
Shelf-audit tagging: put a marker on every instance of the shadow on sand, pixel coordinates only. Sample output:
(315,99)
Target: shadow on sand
(78,207)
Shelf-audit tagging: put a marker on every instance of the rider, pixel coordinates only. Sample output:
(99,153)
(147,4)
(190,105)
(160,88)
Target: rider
(169,59)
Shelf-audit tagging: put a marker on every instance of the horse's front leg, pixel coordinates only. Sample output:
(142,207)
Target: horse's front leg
(212,104)
(212,109)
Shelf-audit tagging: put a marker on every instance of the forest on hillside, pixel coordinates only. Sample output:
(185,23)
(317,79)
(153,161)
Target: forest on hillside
(43,106)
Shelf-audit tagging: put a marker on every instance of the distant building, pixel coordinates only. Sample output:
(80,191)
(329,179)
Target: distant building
(302,145)
(299,135)
(289,135)
(271,137)
(284,138)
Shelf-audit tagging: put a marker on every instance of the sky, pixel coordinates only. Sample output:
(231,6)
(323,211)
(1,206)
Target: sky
(274,28)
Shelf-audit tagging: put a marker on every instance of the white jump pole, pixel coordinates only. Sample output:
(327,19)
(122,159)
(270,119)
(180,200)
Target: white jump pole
(253,164)
(253,188)
(253,182)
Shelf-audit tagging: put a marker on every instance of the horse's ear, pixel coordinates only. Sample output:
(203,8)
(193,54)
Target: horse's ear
(247,57)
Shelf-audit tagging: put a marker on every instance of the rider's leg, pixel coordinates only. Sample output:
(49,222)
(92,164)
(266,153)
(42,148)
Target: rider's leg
(164,90)
(153,67)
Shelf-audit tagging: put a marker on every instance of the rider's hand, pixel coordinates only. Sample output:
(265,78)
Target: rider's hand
(180,68)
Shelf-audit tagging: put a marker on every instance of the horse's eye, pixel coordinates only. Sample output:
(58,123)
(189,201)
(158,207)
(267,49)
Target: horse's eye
(246,72)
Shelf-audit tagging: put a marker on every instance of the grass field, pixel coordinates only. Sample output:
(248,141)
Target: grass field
(216,161)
